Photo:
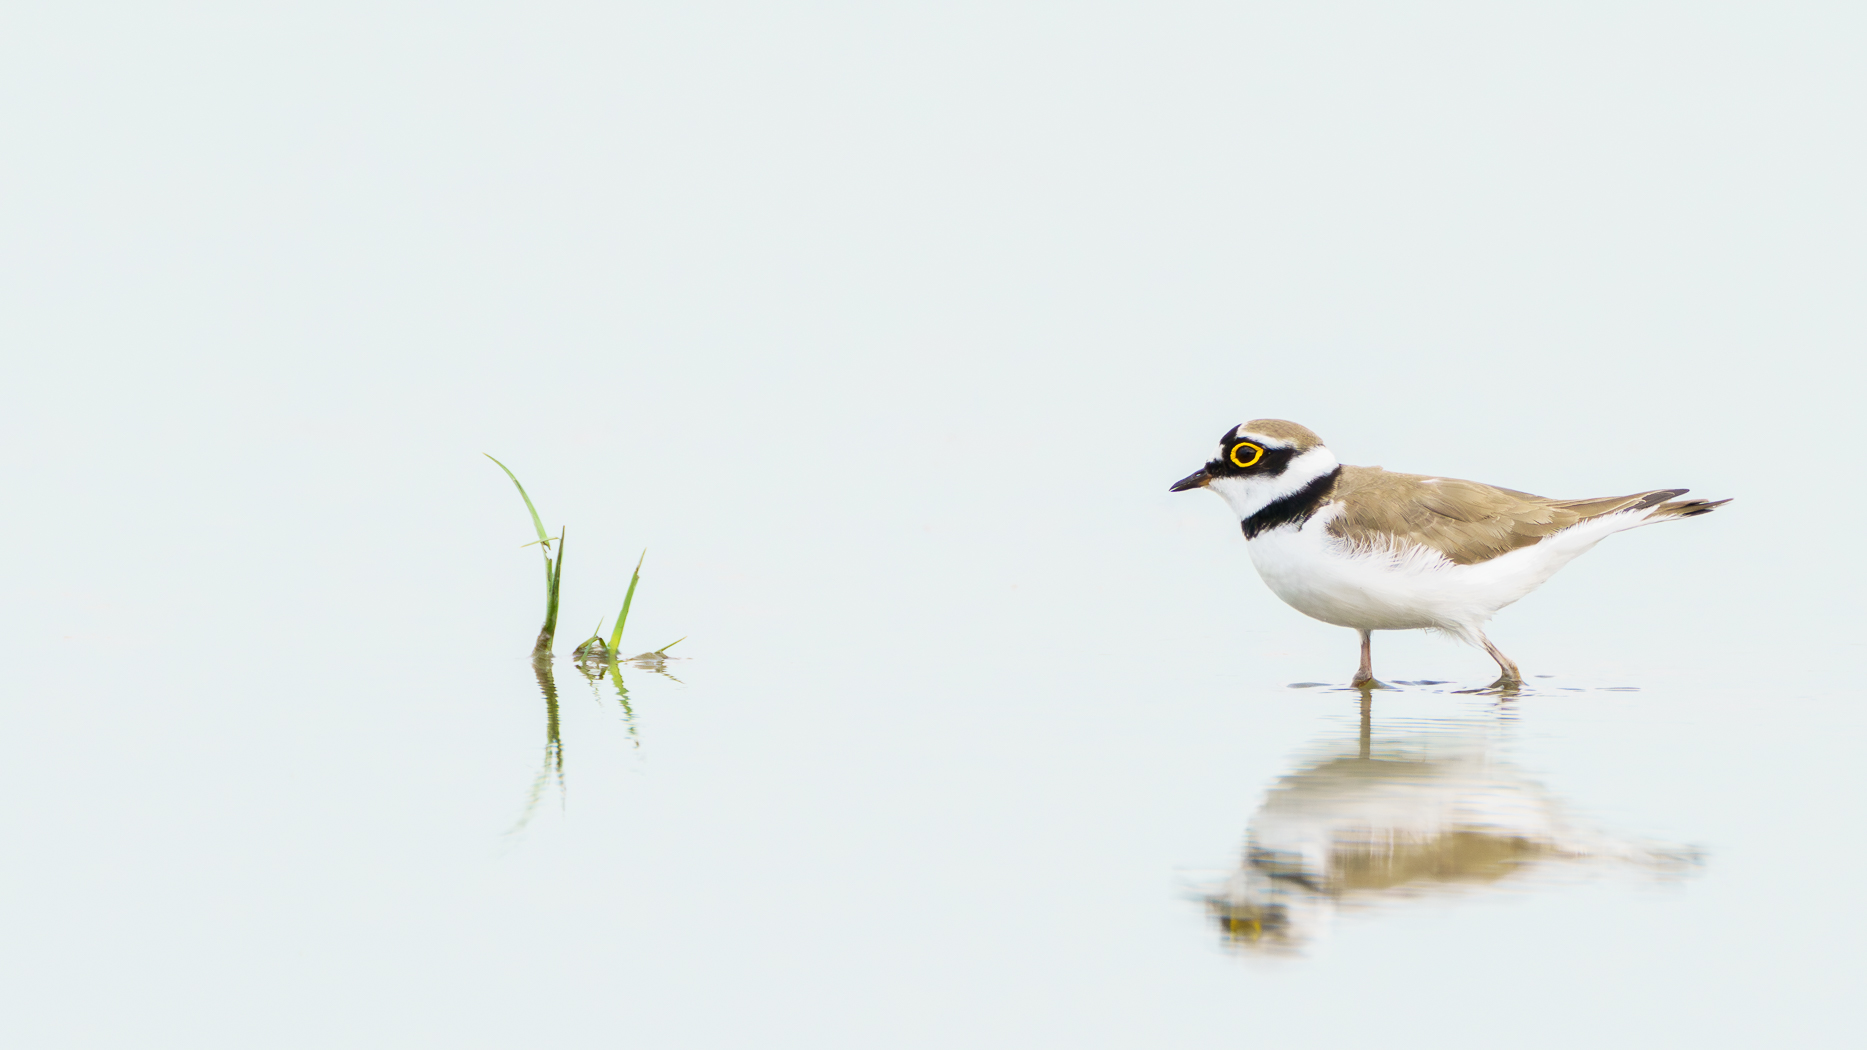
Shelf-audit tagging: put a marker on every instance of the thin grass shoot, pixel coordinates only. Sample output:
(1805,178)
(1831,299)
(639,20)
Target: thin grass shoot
(554,567)
(615,636)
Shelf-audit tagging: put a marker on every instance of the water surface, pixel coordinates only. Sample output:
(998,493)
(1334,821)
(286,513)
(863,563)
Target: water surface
(884,330)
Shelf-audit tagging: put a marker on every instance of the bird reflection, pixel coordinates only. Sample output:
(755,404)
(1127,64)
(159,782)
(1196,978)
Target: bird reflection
(1417,809)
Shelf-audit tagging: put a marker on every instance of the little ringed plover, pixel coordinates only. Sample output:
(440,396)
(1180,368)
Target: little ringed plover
(1366,548)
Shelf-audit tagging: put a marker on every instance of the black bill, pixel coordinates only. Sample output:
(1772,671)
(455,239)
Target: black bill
(1196,480)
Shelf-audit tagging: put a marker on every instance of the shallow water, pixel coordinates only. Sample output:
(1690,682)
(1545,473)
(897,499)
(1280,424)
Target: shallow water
(885,332)
(786,846)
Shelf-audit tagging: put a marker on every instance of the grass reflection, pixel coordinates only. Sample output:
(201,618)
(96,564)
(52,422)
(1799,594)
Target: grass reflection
(597,667)
(554,744)
(1406,810)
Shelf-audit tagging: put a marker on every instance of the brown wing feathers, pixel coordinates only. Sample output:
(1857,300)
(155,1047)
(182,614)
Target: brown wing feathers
(1469,522)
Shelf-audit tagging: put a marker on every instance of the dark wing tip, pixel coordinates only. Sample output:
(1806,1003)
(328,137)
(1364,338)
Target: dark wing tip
(1654,499)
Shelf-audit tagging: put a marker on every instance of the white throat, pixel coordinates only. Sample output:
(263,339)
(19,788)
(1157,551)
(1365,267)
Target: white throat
(1248,494)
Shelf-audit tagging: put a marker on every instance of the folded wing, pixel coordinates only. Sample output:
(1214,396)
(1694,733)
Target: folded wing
(1467,521)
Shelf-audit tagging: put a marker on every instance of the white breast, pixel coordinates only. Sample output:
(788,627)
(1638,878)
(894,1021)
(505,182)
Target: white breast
(1415,587)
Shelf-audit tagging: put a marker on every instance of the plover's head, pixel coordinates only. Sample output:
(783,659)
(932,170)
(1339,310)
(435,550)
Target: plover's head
(1261,462)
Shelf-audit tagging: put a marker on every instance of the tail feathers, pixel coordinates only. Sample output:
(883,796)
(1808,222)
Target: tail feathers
(1685,508)
(1655,504)
(1585,509)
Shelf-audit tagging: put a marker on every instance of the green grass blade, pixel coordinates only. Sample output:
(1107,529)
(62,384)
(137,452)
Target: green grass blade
(591,646)
(552,582)
(537,522)
(596,634)
(615,636)
(672,644)
(551,603)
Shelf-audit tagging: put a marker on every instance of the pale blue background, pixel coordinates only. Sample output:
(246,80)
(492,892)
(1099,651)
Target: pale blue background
(885,327)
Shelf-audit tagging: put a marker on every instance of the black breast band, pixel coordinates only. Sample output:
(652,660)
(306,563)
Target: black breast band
(1296,507)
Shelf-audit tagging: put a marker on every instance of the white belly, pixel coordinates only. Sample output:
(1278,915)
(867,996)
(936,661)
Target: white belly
(1320,576)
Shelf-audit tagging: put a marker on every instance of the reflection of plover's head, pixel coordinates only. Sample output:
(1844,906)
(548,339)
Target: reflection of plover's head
(1260,462)
(1262,912)
(1251,923)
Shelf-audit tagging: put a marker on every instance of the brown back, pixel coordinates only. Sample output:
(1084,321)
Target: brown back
(1466,521)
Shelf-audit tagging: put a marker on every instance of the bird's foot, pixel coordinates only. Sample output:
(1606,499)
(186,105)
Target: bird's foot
(1506,685)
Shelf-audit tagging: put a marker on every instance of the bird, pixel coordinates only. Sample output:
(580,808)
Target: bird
(1407,811)
(1375,550)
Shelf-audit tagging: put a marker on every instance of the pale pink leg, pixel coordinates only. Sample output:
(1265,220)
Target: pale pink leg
(1365,676)
(1510,675)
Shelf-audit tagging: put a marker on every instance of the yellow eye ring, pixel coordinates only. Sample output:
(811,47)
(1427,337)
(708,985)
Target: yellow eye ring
(1257,453)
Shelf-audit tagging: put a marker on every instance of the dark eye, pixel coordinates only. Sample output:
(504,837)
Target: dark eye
(1245,454)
